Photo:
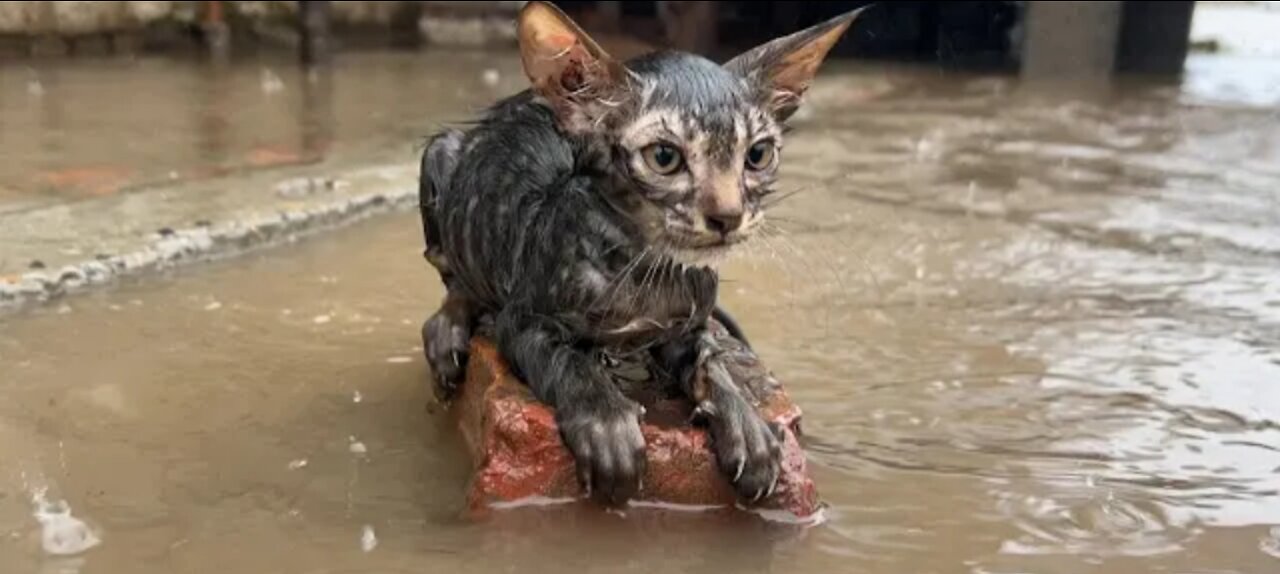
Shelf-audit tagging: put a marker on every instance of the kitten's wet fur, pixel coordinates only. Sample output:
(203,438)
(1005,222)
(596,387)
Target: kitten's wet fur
(582,218)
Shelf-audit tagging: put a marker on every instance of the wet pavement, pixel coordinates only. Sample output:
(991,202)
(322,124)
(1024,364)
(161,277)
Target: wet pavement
(1030,333)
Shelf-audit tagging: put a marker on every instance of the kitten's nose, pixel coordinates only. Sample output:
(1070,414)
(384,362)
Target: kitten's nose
(725,222)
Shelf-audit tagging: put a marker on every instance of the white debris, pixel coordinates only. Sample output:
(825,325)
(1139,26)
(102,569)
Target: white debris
(356,446)
(356,397)
(214,306)
(399,360)
(368,539)
(61,534)
(321,319)
(297,464)
(271,83)
(491,77)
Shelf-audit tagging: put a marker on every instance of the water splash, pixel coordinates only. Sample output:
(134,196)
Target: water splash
(61,534)
(368,539)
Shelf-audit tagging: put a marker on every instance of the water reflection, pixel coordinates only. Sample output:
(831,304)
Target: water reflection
(80,128)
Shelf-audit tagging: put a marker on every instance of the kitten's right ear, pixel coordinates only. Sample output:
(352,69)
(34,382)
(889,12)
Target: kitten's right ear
(565,66)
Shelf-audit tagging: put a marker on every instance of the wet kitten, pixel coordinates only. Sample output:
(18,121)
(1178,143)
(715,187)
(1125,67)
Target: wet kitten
(584,217)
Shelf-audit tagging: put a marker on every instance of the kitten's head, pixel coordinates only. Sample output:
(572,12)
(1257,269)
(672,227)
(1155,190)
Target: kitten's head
(692,146)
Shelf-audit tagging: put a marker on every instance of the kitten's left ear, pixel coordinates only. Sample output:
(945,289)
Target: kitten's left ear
(566,67)
(785,67)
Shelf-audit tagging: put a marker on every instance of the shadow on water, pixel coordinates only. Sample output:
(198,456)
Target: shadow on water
(1030,332)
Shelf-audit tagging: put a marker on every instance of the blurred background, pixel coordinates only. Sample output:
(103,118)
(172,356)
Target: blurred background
(1027,291)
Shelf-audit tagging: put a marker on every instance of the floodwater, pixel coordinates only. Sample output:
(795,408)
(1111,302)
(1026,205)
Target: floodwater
(174,119)
(1030,333)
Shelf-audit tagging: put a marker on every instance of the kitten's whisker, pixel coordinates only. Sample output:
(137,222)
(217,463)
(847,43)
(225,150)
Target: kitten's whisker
(640,293)
(789,294)
(774,199)
(614,286)
(798,254)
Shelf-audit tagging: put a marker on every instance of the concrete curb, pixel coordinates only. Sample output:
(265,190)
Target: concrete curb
(296,207)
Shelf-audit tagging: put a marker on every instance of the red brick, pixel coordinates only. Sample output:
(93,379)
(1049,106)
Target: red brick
(518,453)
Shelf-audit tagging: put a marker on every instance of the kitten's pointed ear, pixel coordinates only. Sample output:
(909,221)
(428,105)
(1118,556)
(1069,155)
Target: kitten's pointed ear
(784,68)
(565,65)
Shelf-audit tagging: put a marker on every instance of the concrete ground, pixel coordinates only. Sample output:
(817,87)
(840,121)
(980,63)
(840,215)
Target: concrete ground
(53,249)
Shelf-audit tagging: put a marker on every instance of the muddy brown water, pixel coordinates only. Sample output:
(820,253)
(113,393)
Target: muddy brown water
(1030,333)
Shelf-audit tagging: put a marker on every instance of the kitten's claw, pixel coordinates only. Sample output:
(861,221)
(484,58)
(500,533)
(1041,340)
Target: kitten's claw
(445,339)
(608,447)
(746,448)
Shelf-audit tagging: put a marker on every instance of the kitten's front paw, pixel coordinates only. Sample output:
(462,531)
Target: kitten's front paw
(445,341)
(608,447)
(748,449)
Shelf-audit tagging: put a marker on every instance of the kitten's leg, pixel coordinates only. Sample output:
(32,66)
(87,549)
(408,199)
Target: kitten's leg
(747,448)
(446,336)
(731,325)
(599,425)
(446,339)
(438,163)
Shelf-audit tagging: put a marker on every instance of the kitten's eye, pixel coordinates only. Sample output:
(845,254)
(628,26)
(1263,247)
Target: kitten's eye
(662,158)
(761,155)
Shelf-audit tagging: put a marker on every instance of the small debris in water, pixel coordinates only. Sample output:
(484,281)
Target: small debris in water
(271,83)
(491,77)
(36,264)
(214,306)
(35,89)
(297,464)
(1270,545)
(368,539)
(356,397)
(64,309)
(356,447)
(399,360)
(61,534)
(321,319)
(114,307)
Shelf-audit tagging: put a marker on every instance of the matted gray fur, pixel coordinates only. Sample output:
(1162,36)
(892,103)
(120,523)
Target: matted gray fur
(583,219)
